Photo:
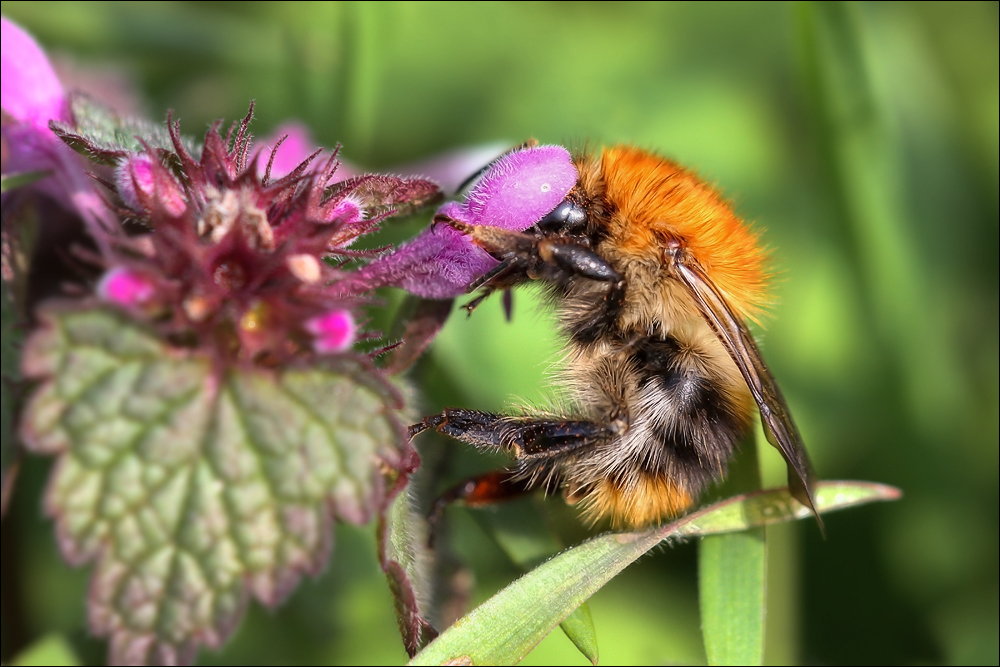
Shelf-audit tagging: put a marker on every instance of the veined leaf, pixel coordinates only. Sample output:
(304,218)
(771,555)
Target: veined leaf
(194,488)
(105,137)
(529,608)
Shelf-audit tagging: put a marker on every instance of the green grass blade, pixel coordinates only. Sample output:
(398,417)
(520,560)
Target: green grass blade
(528,541)
(732,585)
(732,578)
(506,627)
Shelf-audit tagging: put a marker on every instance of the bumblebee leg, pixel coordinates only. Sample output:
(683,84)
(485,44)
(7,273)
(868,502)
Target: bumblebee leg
(485,489)
(525,438)
(551,257)
(554,258)
(508,273)
(529,440)
(575,260)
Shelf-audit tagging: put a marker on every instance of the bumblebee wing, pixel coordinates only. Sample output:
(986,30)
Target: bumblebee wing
(779,428)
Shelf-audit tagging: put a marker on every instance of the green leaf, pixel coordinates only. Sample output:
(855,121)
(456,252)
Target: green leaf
(52,650)
(531,607)
(194,488)
(105,137)
(13,181)
(579,627)
(732,578)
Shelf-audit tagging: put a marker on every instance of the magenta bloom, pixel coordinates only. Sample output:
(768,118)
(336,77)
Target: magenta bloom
(517,191)
(334,331)
(30,90)
(31,97)
(138,184)
(125,287)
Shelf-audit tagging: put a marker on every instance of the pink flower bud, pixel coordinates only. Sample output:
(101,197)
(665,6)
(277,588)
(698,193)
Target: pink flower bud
(347,211)
(125,287)
(144,184)
(305,267)
(334,331)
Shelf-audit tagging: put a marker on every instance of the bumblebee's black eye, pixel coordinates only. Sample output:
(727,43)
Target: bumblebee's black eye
(567,216)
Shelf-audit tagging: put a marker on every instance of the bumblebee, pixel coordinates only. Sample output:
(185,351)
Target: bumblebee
(653,278)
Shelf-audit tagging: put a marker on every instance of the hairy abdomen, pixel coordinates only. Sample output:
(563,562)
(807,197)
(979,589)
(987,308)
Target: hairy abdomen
(684,407)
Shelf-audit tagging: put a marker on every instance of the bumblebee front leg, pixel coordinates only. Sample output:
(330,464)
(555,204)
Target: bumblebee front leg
(551,257)
(539,256)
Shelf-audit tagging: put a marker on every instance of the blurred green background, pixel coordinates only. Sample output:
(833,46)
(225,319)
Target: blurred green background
(862,138)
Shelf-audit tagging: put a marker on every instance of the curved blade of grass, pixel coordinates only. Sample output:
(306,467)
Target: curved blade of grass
(526,539)
(506,627)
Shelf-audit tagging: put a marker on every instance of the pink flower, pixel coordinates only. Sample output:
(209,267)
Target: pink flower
(334,331)
(450,168)
(125,287)
(295,144)
(142,180)
(30,90)
(234,261)
(31,96)
(517,191)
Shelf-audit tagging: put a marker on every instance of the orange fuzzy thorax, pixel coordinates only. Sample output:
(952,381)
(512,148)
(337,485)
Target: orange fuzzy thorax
(654,199)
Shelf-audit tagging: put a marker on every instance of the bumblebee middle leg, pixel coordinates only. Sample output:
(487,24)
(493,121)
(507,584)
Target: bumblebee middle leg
(525,438)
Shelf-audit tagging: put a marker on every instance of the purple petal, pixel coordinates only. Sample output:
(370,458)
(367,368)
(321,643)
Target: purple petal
(515,193)
(31,94)
(521,187)
(438,264)
(29,88)
(35,148)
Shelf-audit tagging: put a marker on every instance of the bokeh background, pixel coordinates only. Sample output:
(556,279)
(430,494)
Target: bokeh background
(863,140)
